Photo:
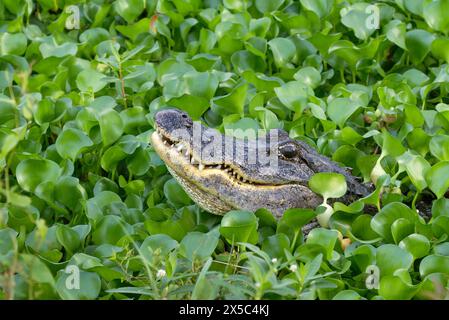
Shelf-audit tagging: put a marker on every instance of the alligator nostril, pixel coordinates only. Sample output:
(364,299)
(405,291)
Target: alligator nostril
(188,122)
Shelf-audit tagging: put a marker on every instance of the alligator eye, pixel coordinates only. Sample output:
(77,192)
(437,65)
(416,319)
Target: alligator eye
(288,151)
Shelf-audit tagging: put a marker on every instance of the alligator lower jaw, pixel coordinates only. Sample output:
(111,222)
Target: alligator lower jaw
(190,174)
(215,190)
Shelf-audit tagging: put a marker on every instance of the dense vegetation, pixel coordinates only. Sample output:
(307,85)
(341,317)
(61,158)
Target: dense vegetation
(81,188)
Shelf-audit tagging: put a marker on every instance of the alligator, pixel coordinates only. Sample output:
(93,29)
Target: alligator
(224,172)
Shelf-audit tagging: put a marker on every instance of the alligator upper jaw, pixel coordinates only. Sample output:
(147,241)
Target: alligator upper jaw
(180,157)
(218,191)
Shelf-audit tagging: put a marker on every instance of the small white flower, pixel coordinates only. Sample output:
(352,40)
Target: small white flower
(161,273)
(293,267)
(274,260)
(257,284)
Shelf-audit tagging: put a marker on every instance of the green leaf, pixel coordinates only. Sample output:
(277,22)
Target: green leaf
(294,95)
(359,18)
(321,7)
(239,226)
(110,229)
(197,245)
(382,221)
(12,43)
(433,264)
(439,147)
(390,258)
(88,288)
(32,172)
(265,6)
(233,102)
(111,126)
(438,178)
(175,194)
(325,238)
(90,80)
(283,51)
(51,49)
(71,142)
(329,185)
(340,109)
(416,244)
(436,14)
(418,43)
(129,9)
(68,238)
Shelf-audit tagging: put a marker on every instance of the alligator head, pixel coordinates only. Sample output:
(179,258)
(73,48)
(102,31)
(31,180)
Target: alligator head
(222,173)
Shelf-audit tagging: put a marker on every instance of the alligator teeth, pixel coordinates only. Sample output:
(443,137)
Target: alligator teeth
(180,147)
(187,153)
(218,167)
(201,166)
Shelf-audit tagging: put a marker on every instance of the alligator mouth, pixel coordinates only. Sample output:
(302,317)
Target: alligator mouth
(184,151)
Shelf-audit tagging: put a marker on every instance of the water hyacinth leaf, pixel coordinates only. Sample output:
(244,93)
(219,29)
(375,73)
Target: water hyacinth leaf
(440,207)
(35,269)
(110,229)
(434,264)
(439,147)
(325,238)
(438,178)
(436,14)
(440,48)
(265,6)
(32,172)
(347,295)
(390,258)
(329,185)
(158,243)
(396,30)
(239,226)
(194,106)
(321,7)
(416,167)
(90,80)
(69,192)
(294,95)
(283,51)
(129,10)
(111,126)
(293,220)
(68,238)
(71,142)
(197,245)
(244,60)
(418,245)
(382,221)
(401,228)
(340,109)
(275,245)
(88,288)
(175,194)
(12,43)
(308,76)
(51,49)
(233,102)
(392,287)
(361,19)
(418,43)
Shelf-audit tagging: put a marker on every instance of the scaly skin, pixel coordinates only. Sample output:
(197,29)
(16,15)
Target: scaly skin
(222,173)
